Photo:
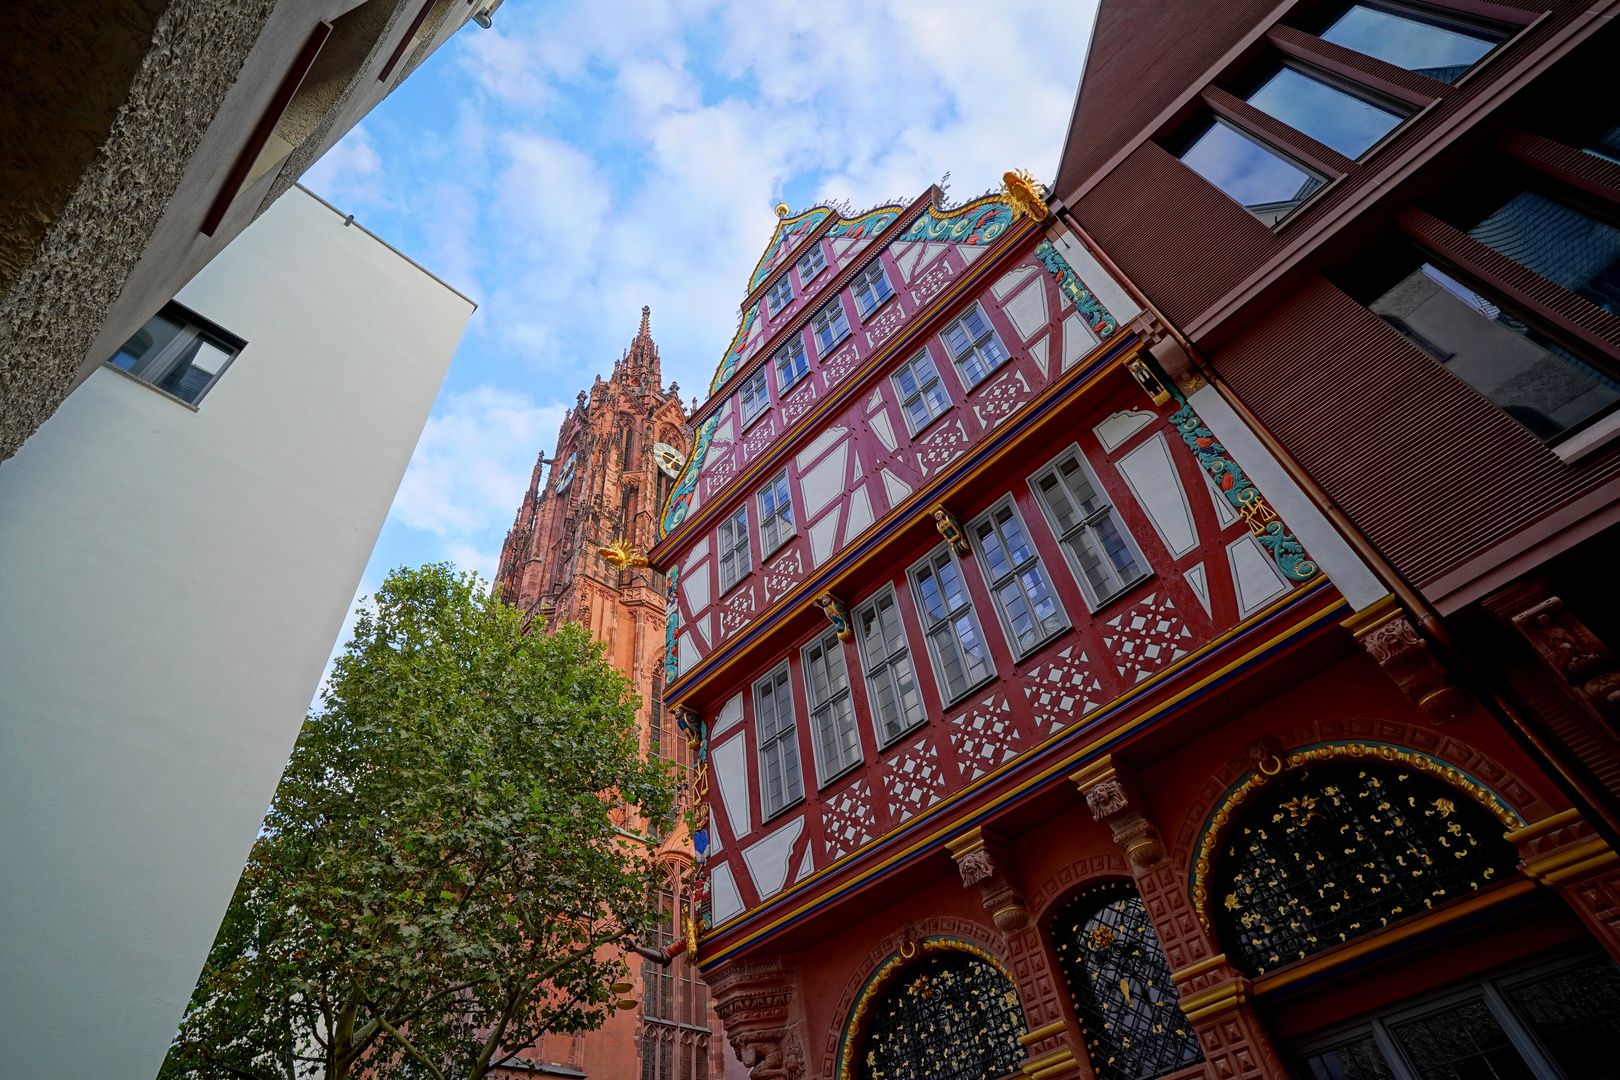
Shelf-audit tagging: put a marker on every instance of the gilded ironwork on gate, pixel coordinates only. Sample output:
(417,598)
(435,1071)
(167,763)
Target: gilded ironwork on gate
(950,1016)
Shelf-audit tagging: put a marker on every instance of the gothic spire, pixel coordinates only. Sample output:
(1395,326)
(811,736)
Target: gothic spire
(642,357)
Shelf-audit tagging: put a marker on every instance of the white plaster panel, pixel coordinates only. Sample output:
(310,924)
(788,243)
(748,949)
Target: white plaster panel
(809,454)
(1011,280)
(730,761)
(724,899)
(695,585)
(1102,286)
(768,861)
(730,713)
(1254,575)
(895,488)
(968,252)
(1039,350)
(807,865)
(1119,427)
(1199,582)
(701,626)
(860,514)
(824,483)
(1225,512)
(1078,340)
(724,433)
(1027,310)
(883,428)
(1153,480)
(686,654)
(822,535)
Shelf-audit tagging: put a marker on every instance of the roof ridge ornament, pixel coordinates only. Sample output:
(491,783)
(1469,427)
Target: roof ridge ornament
(1025,194)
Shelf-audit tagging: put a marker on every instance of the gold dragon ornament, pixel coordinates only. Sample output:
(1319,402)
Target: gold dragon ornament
(621,556)
(1021,191)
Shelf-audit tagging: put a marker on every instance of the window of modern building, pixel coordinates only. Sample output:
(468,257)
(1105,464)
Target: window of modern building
(832,714)
(1028,607)
(1606,145)
(779,295)
(1568,246)
(775,515)
(829,327)
(178,353)
(1101,551)
(754,397)
(975,346)
(811,263)
(780,780)
(1259,178)
(954,639)
(922,395)
(1438,43)
(791,364)
(950,1016)
(891,685)
(1544,384)
(871,287)
(1342,828)
(1334,112)
(732,542)
(1119,981)
(1552,1020)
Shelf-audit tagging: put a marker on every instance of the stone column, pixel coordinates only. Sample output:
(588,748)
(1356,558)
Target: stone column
(1055,1047)
(1217,998)
(1564,853)
(753,999)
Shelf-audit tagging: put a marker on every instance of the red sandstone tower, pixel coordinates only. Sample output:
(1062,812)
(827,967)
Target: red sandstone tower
(616,454)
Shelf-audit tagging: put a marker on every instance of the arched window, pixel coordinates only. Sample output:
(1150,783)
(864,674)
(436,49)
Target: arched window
(1327,854)
(1120,983)
(951,1016)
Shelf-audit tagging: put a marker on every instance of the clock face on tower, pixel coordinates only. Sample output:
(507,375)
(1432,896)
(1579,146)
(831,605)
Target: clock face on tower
(669,459)
(564,474)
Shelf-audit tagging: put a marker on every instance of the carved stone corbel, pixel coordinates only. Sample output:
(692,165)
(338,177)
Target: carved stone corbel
(1384,631)
(1579,662)
(983,860)
(753,999)
(1113,797)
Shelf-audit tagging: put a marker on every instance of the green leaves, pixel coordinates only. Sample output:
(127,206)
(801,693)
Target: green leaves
(439,867)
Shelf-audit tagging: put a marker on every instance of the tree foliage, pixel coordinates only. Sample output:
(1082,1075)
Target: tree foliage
(440,878)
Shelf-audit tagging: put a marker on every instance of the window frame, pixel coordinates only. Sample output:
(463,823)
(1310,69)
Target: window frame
(836,304)
(1443,16)
(1014,577)
(1094,600)
(779,681)
(820,261)
(933,562)
(775,302)
(827,772)
(922,394)
(1273,65)
(860,283)
(872,669)
(771,538)
(165,360)
(791,356)
(974,346)
(760,376)
(739,546)
(1207,119)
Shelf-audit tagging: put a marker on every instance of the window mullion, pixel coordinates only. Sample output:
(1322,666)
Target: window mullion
(1523,1039)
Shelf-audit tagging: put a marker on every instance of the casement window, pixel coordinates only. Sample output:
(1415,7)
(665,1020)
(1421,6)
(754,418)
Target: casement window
(1568,245)
(832,715)
(1334,111)
(754,397)
(791,364)
(811,263)
(829,327)
(780,295)
(178,353)
(775,515)
(952,629)
(871,287)
(891,685)
(1437,43)
(733,545)
(1028,606)
(922,395)
(781,783)
(1257,176)
(975,346)
(1101,551)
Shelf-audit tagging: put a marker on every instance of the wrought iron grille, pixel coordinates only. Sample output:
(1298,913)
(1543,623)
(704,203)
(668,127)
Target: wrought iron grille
(1329,854)
(1120,983)
(950,1017)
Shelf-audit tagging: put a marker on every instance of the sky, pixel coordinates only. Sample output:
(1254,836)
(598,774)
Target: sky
(581,159)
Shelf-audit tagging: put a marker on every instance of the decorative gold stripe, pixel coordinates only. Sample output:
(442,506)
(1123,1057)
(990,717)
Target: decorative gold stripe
(1375,613)
(1194,970)
(1569,863)
(972,840)
(1217,999)
(1049,1065)
(1054,1028)
(1543,827)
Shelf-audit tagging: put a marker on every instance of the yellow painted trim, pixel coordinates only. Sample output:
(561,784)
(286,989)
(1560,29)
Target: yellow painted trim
(1194,970)
(1378,612)
(1066,763)
(1054,1028)
(1571,863)
(1217,999)
(1542,827)
(1049,1065)
(1359,947)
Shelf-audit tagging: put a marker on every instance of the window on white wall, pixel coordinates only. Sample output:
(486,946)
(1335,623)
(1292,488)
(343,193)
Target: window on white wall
(975,346)
(754,397)
(832,715)
(891,685)
(830,326)
(775,515)
(871,287)
(733,543)
(1028,606)
(790,363)
(950,625)
(1104,556)
(179,353)
(922,395)
(778,296)
(811,263)
(781,782)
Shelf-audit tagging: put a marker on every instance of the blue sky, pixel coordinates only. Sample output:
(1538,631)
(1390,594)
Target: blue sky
(581,159)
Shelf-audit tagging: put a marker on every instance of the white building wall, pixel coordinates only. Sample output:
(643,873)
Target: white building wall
(171,584)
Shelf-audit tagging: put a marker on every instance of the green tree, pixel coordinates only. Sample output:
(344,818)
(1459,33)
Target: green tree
(440,878)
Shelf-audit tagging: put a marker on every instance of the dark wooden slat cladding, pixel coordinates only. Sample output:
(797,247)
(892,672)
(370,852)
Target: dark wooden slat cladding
(1362,409)
(1322,158)
(1397,82)
(1586,171)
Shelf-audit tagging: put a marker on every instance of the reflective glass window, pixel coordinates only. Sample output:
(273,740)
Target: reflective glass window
(1256,177)
(1430,43)
(1327,113)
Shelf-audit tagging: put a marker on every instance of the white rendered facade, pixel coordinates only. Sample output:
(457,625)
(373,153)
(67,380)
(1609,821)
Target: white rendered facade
(172,581)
